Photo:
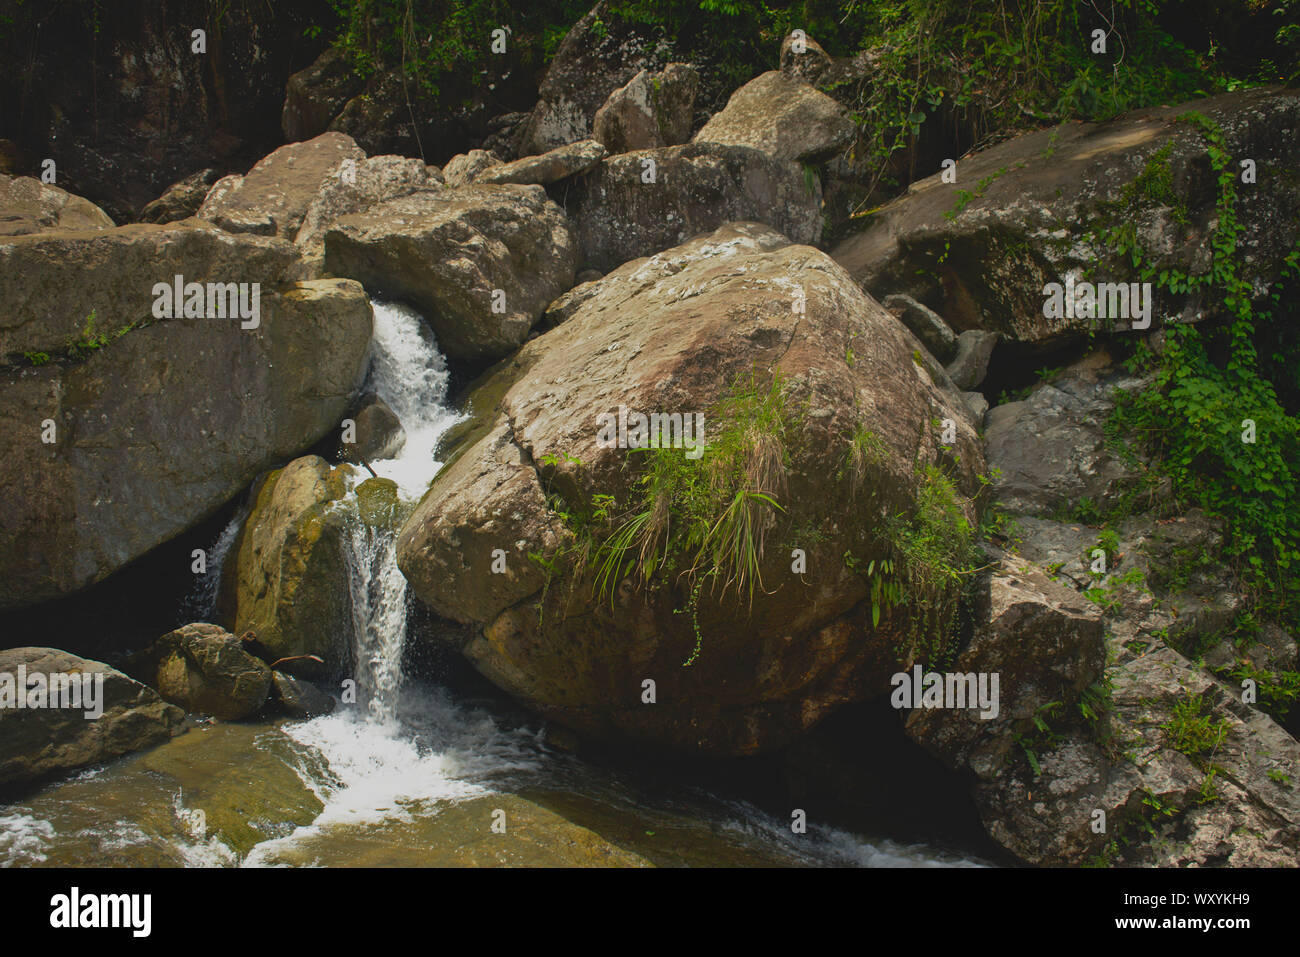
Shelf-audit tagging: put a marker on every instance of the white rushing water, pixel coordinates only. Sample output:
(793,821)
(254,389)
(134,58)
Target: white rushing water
(386,756)
(378,618)
(410,375)
(201,603)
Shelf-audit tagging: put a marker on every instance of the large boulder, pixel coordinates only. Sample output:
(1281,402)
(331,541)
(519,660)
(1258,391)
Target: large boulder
(650,111)
(620,215)
(1043,641)
(549,167)
(462,168)
(29,206)
(181,199)
(361,186)
(272,199)
(1028,212)
(481,262)
(291,577)
(36,742)
(204,669)
(842,442)
(50,283)
(139,432)
(782,116)
(597,56)
(314,96)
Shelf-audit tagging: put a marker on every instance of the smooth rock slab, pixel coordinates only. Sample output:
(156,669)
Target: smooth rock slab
(50,282)
(164,424)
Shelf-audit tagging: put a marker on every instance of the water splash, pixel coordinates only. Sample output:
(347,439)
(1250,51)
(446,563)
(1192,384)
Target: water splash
(23,839)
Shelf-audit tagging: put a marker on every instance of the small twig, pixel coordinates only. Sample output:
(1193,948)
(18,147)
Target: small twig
(280,661)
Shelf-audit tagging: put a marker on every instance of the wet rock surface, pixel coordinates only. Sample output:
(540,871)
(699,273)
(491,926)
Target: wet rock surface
(46,738)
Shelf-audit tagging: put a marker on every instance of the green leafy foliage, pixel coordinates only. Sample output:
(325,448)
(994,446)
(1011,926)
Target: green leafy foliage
(432,41)
(931,556)
(1277,691)
(702,522)
(89,340)
(1211,384)
(1192,729)
(708,518)
(981,68)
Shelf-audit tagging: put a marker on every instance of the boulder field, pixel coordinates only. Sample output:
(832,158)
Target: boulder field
(718,476)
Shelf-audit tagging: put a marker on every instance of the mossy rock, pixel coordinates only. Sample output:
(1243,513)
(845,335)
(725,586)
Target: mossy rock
(378,503)
(291,578)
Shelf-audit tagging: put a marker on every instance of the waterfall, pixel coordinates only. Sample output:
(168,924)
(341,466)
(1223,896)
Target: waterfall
(410,375)
(378,617)
(201,603)
(385,766)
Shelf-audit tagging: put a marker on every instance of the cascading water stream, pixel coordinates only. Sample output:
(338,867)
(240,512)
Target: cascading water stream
(390,755)
(201,603)
(410,375)
(378,592)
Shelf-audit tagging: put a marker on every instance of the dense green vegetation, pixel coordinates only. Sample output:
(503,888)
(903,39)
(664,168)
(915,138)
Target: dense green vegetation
(1223,419)
(431,40)
(959,72)
(702,521)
